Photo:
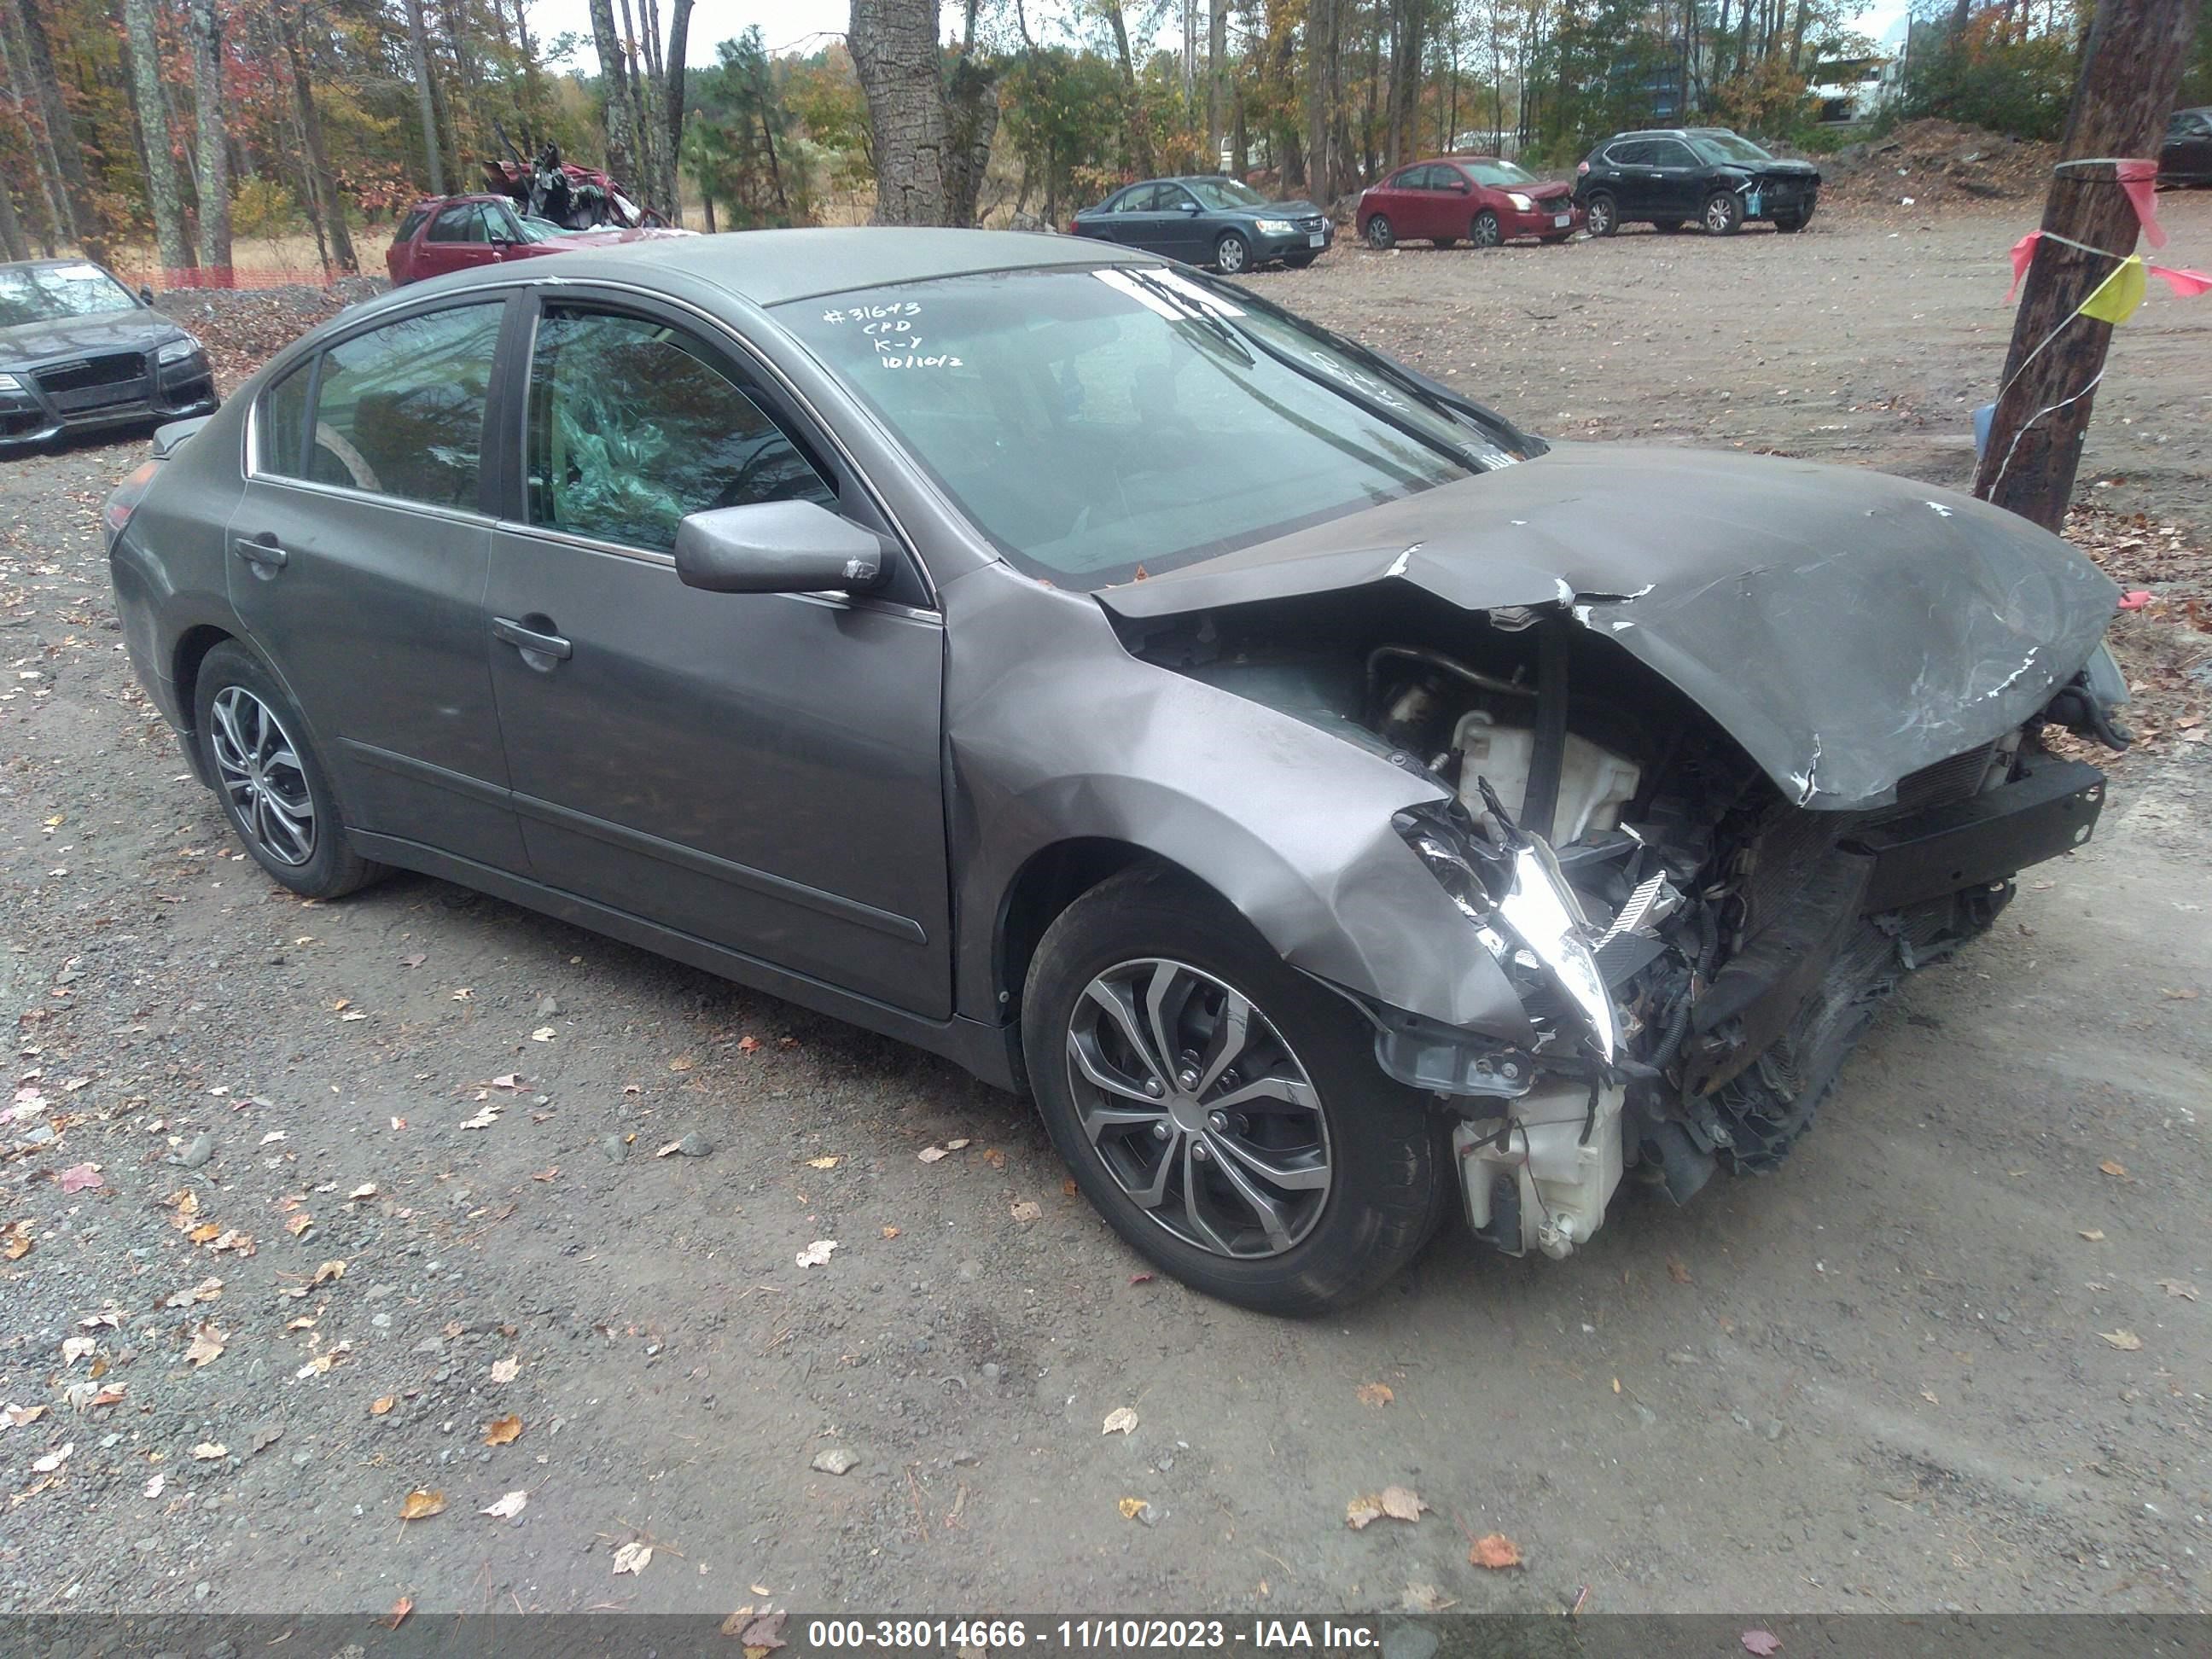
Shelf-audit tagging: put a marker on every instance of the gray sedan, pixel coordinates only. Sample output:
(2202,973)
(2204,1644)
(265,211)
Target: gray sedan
(1339,808)
(79,352)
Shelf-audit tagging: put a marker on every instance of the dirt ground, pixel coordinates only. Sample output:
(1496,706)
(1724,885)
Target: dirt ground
(1953,1355)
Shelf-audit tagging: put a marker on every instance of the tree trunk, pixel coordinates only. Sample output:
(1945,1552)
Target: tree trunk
(61,130)
(1217,76)
(679,47)
(426,98)
(42,171)
(614,76)
(971,120)
(2129,71)
(163,194)
(292,28)
(11,228)
(894,48)
(214,144)
(1140,135)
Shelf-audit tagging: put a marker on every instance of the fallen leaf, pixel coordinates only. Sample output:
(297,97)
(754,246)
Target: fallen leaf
(890,1232)
(1426,1598)
(817,1255)
(1028,1211)
(2181,1287)
(1677,1270)
(1122,1419)
(400,1609)
(74,1348)
(507,1507)
(1495,1551)
(208,1451)
(53,1460)
(504,1370)
(321,1364)
(749,1045)
(353,1014)
(546,1175)
(206,1343)
(379,1407)
(1375,1394)
(17,1247)
(2187,994)
(763,1635)
(422,1503)
(2094,1235)
(502,1430)
(633,1557)
(2124,1339)
(1140,1279)
(1764,1642)
(994,1157)
(365,1190)
(2113,1167)
(931,1154)
(669,1150)
(829,1162)
(1131,1508)
(206,1233)
(1399,1503)
(19,1416)
(543,1034)
(957,1146)
(1929,1394)
(154,1486)
(414,960)
(327,1272)
(78,1176)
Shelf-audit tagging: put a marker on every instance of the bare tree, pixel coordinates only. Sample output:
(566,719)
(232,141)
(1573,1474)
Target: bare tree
(322,182)
(83,216)
(213,141)
(163,194)
(1217,77)
(11,228)
(1140,133)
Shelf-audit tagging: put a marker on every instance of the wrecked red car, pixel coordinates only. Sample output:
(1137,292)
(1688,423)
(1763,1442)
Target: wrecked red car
(459,232)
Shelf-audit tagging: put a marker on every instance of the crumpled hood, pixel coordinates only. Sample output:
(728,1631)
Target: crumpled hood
(1846,626)
(135,330)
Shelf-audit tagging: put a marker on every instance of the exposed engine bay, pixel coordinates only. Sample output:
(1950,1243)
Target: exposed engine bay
(1696,952)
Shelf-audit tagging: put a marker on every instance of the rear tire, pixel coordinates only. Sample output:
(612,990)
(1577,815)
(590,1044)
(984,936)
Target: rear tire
(1314,1108)
(1380,234)
(1601,215)
(253,742)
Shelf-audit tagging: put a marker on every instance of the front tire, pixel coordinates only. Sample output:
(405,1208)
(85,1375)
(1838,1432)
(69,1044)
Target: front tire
(1232,254)
(1486,232)
(1380,234)
(1221,1110)
(1601,216)
(1789,223)
(1723,213)
(252,742)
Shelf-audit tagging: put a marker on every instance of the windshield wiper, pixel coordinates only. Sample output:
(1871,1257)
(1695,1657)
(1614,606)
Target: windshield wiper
(1192,310)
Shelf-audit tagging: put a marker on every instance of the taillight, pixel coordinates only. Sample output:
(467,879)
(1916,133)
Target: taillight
(1581,168)
(1072,229)
(115,512)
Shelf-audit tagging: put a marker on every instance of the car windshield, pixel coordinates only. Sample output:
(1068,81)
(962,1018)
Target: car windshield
(1223,195)
(1099,425)
(1503,174)
(46,294)
(537,230)
(1726,147)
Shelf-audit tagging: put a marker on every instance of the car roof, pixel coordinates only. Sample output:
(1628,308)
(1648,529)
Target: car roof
(54,264)
(770,267)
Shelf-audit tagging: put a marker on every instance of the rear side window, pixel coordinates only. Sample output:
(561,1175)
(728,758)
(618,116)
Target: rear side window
(635,424)
(410,224)
(281,423)
(1636,152)
(400,410)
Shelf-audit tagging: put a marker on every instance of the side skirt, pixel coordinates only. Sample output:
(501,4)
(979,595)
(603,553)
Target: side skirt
(987,1051)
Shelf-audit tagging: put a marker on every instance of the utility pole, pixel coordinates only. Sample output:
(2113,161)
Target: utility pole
(2131,67)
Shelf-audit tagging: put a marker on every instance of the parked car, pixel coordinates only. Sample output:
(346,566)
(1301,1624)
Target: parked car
(1475,198)
(79,351)
(461,232)
(1209,221)
(1337,806)
(1706,175)
(2187,156)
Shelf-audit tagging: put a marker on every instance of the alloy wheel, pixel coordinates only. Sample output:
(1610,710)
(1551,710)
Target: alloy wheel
(1487,232)
(1598,220)
(258,765)
(1380,235)
(1229,255)
(1723,214)
(1198,1108)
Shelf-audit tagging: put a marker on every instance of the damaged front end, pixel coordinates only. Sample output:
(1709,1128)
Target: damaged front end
(1695,943)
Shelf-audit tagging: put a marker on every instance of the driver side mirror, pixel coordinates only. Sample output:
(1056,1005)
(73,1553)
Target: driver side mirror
(1193,209)
(145,294)
(776,547)
(1459,186)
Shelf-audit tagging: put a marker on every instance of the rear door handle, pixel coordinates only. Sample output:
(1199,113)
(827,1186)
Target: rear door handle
(262,550)
(530,639)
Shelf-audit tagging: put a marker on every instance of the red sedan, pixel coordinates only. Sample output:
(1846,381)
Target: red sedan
(1473,198)
(458,233)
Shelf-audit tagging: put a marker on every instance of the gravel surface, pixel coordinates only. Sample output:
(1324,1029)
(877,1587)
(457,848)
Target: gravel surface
(418,1193)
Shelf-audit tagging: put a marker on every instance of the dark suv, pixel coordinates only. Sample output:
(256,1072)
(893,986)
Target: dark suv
(1668,178)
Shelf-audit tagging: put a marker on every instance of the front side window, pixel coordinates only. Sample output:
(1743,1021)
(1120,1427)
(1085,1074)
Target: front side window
(400,409)
(462,223)
(635,424)
(1668,153)
(1091,422)
(1139,200)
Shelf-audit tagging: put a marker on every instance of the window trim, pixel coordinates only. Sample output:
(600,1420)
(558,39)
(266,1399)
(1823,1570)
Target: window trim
(311,362)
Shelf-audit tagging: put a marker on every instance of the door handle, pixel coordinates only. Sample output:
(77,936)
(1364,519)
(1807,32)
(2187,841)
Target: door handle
(260,550)
(530,639)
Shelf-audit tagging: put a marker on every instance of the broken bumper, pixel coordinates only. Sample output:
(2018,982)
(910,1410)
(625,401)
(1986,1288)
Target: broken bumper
(30,414)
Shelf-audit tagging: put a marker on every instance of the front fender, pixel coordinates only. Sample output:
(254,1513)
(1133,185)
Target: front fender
(1056,732)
